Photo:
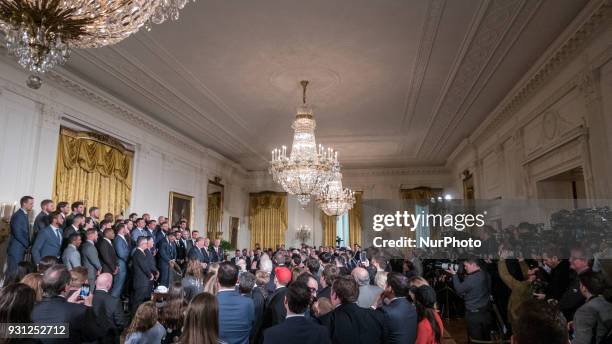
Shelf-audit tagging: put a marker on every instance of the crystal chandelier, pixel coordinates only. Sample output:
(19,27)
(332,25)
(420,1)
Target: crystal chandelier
(308,168)
(335,200)
(167,9)
(41,33)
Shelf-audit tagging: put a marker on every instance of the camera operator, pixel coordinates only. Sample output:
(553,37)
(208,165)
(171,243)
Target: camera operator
(475,291)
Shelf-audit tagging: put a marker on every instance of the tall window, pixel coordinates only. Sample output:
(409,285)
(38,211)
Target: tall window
(342,229)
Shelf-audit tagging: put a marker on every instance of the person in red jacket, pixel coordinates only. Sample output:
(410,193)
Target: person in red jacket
(429,326)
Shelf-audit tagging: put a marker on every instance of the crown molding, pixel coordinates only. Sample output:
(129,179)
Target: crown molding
(592,19)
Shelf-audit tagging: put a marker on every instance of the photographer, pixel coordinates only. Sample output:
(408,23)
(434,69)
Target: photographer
(532,287)
(475,291)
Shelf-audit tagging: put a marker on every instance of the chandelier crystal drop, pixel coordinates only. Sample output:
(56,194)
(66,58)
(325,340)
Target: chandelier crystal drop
(41,33)
(308,168)
(335,200)
(168,10)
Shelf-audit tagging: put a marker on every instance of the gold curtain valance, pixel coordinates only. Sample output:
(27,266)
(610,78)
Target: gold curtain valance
(93,168)
(267,218)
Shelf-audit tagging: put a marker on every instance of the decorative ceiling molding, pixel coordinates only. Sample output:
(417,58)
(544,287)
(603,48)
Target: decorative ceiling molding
(498,21)
(428,38)
(521,20)
(584,28)
(71,83)
(144,81)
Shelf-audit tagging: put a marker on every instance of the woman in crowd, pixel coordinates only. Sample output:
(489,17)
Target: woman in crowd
(34,281)
(144,328)
(210,283)
(173,311)
(23,268)
(16,305)
(193,282)
(429,327)
(201,324)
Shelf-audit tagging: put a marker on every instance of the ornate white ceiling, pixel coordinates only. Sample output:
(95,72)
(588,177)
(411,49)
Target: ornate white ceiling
(395,83)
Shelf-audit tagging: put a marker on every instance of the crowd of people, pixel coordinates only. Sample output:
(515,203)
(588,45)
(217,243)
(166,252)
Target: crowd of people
(143,280)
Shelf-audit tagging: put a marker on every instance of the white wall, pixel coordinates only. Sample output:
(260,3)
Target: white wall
(557,118)
(164,160)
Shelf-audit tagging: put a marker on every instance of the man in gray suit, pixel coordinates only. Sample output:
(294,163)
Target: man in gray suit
(89,256)
(368,294)
(593,320)
(71,256)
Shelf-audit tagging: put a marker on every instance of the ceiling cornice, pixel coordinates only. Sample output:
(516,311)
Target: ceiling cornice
(75,85)
(596,15)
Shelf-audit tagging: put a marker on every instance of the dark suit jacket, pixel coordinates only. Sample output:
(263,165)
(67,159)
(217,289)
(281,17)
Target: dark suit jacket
(196,253)
(47,243)
(166,253)
(399,321)
(216,256)
(104,304)
(183,248)
(20,234)
(297,330)
(351,324)
(274,312)
(58,310)
(108,256)
(141,270)
(40,222)
(236,317)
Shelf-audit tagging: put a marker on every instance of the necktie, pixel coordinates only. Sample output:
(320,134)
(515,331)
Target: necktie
(59,237)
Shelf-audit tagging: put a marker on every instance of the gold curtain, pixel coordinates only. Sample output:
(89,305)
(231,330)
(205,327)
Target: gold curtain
(421,195)
(354,216)
(268,218)
(95,169)
(214,215)
(329,229)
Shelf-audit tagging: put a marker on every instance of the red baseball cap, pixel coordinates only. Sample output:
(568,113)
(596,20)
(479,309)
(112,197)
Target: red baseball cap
(283,275)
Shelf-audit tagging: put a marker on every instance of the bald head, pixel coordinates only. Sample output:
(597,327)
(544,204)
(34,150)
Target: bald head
(104,281)
(361,275)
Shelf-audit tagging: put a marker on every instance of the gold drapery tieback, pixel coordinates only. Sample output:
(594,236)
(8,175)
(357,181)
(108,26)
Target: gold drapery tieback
(95,169)
(267,218)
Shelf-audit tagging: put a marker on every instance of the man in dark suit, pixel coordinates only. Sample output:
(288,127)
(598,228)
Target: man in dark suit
(236,312)
(142,282)
(77,208)
(77,220)
(49,241)
(236,257)
(275,311)
(138,231)
(122,249)
(20,235)
(105,305)
(348,323)
(106,251)
(183,246)
(399,315)
(41,221)
(165,257)
(94,213)
(64,210)
(296,329)
(199,252)
(55,308)
(217,252)
(161,233)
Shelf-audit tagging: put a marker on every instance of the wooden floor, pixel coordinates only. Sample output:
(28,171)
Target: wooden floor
(455,332)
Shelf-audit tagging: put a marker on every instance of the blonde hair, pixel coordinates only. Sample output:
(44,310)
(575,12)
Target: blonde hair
(262,278)
(210,283)
(34,281)
(381,279)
